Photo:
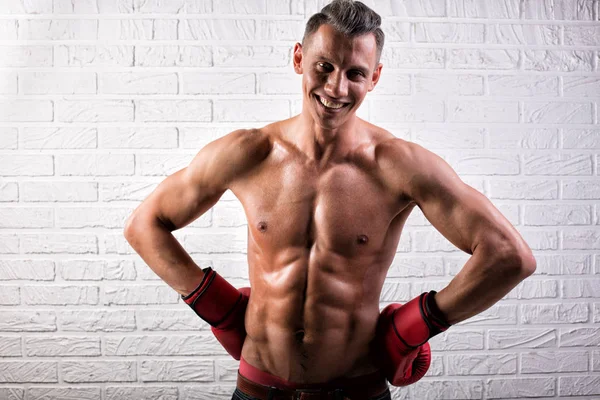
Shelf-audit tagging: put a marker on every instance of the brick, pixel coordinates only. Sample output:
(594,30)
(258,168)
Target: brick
(523,85)
(94,164)
(236,7)
(581,190)
(10,347)
(95,110)
(482,111)
(25,56)
(94,56)
(501,339)
(389,83)
(483,59)
(176,320)
(8,83)
(62,346)
(520,138)
(234,242)
(221,83)
(161,165)
(579,337)
(138,138)
(173,6)
(59,243)
(149,393)
(480,163)
(9,244)
(394,292)
(425,8)
(482,364)
(395,31)
(541,240)
(281,82)
(59,138)
(282,7)
(446,389)
(94,7)
(557,164)
(76,270)
(98,371)
(8,138)
(59,191)
(519,388)
(256,110)
(407,267)
(173,110)
(549,265)
(490,9)
(28,372)
(80,393)
(565,313)
(563,214)
(406,111)
(125,29)
(173,56)
(558,9)
(86,217)
(558,112)
(455,138)
(579,385)
(252,56)
(31,270)
(58,29)
(165,29)
(27,321)
(10,296)
(163,345)
(120,270)
(400,57)
(117,191)
(581,35)
(35,165)
(448,85)
(20,110)
(142,295)
(505,314)
(453,340)
(9,191)
(26,7)
(581,239)
(12,393)
(292,30)
(544,35)
(577,265)
(229,213)
(226,370)
(431,240)
(581,86)
(93,320)
(116,244)
(138,83)
(537,289)
(176,371)
(580,288)
(449,32)
(558,60)
(218,29)
(554,362)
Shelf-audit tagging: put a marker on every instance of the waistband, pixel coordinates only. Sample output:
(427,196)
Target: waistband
(375,379)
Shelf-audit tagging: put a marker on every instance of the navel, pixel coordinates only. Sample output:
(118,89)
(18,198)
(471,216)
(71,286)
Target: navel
(362,239)
(262,226)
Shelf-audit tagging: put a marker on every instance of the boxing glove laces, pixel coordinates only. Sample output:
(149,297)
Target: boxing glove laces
(223,307)
(402,335)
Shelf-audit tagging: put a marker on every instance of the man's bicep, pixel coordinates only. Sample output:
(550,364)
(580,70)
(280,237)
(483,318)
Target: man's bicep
(459,212)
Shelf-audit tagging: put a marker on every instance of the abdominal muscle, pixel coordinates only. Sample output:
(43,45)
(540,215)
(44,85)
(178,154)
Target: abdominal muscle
(313,319)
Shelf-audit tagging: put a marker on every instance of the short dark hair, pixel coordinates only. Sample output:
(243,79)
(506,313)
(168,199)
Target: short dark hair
(352,18)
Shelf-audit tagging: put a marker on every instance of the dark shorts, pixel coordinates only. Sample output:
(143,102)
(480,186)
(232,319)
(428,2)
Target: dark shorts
(272,387)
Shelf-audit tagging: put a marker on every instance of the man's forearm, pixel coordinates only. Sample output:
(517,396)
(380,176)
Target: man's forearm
(480,284)
(164,254)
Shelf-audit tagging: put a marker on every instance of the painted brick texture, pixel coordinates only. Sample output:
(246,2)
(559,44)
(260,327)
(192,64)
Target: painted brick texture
(100,100)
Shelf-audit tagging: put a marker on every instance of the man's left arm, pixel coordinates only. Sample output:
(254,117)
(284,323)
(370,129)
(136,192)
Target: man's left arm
(500,257)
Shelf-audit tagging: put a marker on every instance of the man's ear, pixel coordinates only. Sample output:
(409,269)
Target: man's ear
(375,77)
(297,58)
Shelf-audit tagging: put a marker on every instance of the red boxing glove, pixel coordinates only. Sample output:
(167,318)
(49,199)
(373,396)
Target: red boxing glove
(223,307)
(402,335)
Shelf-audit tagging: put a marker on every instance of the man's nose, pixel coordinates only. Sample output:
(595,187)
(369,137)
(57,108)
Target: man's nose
(336,85)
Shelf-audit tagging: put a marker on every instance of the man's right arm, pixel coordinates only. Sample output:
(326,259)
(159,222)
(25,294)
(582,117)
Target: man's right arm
(185,196)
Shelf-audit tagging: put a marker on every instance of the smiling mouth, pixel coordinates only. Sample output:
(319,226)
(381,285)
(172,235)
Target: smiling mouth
(330,105)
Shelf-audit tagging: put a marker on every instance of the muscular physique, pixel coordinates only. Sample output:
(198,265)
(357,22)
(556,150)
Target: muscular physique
(326,196)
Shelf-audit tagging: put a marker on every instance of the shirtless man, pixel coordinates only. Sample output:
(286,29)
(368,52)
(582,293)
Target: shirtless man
(326,195)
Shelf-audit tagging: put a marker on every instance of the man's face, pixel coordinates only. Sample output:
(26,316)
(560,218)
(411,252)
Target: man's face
(337,74)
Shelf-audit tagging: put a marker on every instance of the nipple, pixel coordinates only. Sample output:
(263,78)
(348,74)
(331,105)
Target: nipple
(362,239)
(262,226)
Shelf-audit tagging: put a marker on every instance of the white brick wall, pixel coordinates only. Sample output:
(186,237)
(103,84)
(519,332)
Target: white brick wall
(102,99)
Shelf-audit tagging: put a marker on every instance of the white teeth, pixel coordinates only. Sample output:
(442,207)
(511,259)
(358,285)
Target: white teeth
(330,104)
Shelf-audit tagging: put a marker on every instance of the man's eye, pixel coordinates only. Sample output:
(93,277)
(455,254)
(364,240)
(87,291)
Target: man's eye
(356,74)
(323,66)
